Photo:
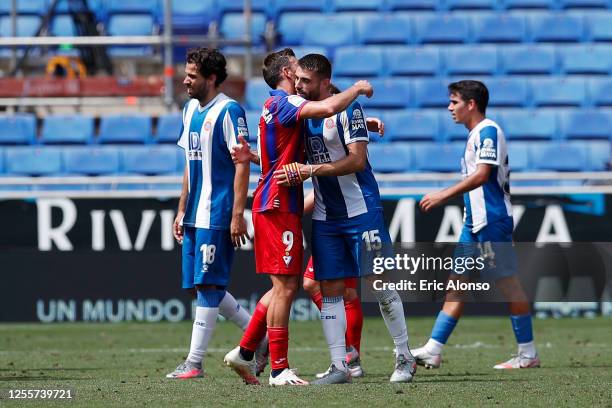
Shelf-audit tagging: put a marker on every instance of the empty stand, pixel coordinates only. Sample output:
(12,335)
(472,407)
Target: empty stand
(150,160)
(91,160)
(125,129)
(402,61)
(168,128)
(358,61)
(33,161)
(67,129)
(17,129)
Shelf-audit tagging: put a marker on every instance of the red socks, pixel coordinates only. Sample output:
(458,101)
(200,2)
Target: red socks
(354,322)
(256,330)
(317,299)
(278,338)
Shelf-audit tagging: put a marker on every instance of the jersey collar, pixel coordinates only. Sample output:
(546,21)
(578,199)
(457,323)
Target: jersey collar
(280,92)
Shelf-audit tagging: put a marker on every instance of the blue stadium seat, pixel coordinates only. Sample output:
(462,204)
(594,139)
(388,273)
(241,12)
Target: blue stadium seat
(390,158)
(291,27)
(481,60)
(354,61)
(388,94)
(587,124)
(38,7)
(17,129)
(180,161)
(282,6)
(442,29)
(91,160)
(431,93)
(130,24)
(538,124)
(518,156)
(471,4)
(33,161)
(452,131)
(256,93)
(529,4)
(385,29)
(68,129)
(233,26)
(555,91)
(527,59)
(412,125)
(439,157)
(412,60)
(600,27)
(600,90)
(149,159)
(330,31)
(134,6)
(412,4)
(507,91)
(1,160)
(559,157)
(598,154)
(168,128)
(63,26)
(253,117)
(556,28)
(125,129)
(356,5)
(189,17)
(302,50)
(586,59)
(26,26)
(584,4)
(98,7)
(499,28)
(258,6)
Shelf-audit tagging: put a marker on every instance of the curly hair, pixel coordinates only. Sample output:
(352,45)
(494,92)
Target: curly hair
(209,61)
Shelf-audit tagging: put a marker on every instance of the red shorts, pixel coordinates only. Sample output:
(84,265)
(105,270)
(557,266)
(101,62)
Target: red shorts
(278,243)
(350,283)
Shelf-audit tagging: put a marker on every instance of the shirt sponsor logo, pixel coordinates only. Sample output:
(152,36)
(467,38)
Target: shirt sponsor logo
(295,100)
(317,153)
(195,140)
(357,121)
(488,151)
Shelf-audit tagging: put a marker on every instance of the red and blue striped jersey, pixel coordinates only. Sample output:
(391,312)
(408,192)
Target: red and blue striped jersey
(279,142)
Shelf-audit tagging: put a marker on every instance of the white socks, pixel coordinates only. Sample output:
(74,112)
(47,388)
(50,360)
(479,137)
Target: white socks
(232,311)
(527,349)
(433,347)
(203,327)
(392,311)
(333,318)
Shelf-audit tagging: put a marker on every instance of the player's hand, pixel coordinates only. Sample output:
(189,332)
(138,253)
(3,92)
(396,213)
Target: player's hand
(376,125)
(177,228)
(242,152)
(431,200)
(365,88)
(238,230)
(281,176)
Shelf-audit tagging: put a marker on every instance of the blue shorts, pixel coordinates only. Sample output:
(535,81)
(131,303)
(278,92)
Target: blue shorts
(493,243)
(339,246)
(207,257)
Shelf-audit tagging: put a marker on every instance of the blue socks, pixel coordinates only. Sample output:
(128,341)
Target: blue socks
(443,327)
(522,327)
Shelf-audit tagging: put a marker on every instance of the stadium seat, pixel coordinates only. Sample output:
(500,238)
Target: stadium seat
(540,124)
(17,129)
(586,59)
(470,4)
(257,6)
(282,6)
(302,50)
(180,161)
(355,5)
(291,27)
(384,29)
(556,28)
(521,59)
(559,157)
(189,17)
(67,129)
(330,31)
(518,156)
(481,60)
(412,4)
(91,160)
(125,129)
(431,93)
(26,26)
(442,29)
(598,154)
(499,28)
(149,159)
(233,27)
(256,93)
(600,90)
(130,24)
(33,161)
(507,91)
(407,125)
(412,60)
(1,159)
(452,131)
(253,117)
(168,128)
(587,124)
(390,158)
(98,7)
(63,26)
(388,94)
(37,7)
(554,91)
(600,27)
(439,157)
(134,6)
(354,61)
(528,4)
(584,4)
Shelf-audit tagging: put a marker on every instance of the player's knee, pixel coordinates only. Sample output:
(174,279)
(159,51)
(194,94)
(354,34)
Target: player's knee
(311,286)
(350,294)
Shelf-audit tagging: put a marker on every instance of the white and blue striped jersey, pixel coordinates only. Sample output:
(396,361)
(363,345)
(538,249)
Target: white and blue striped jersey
(490,202)
(326,140)
(208,135)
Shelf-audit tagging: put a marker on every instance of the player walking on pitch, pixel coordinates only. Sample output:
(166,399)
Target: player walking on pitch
(488,220)
(210,218)
(277,212)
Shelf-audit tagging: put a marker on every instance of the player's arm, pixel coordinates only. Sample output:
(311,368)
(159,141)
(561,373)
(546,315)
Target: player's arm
(473,181)
(376,125)
(335,103)
(238,227)
(177,228)
(309,202)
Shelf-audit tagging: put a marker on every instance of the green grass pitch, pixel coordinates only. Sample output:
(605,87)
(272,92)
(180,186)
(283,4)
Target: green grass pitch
(124,365)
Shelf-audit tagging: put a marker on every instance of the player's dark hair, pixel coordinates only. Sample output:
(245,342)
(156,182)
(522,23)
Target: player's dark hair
(273,65)
(469,89)
(317,63)
(209,61)
(333,89)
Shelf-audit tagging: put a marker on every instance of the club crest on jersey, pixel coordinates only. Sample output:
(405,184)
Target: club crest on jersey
(317,151)
(207,126)
(241,122)
(287,259)
(329,123)
(488,151)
